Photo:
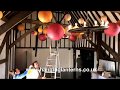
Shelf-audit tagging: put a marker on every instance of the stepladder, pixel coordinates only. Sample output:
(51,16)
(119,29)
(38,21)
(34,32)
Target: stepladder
(52,67)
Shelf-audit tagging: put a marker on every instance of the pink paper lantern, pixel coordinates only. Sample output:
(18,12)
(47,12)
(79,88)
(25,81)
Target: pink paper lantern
(55,31)
(112,30)
(42,37)
(72,38)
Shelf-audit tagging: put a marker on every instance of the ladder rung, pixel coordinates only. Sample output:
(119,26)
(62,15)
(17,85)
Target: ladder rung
(51,59)
(50,72)
(50,65)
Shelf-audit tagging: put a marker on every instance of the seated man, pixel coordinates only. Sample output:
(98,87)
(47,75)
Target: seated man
(16,74)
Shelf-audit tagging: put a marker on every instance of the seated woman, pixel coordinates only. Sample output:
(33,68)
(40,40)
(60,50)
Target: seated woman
(16,74)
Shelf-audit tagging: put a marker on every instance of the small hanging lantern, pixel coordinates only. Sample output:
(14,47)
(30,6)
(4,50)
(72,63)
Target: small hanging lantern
(45,30)
(34,33)
(21,27)
(40,30)
(1,14)
(42,37)
(67,17)
(81,21)
(104,18)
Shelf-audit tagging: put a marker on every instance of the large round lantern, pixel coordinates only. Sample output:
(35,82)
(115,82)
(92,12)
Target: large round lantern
(42,37)
(21,27)
(1,14)
(45,16)
(67,17)
(72,38)
(112,30)
(104,18)
(55,31)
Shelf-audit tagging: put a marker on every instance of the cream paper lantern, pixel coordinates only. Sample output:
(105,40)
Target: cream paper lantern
(81,21)
(40,30)
(1,14)
(67,17)
(104,18)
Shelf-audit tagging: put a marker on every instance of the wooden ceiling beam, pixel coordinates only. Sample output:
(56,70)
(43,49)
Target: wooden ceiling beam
(14,21)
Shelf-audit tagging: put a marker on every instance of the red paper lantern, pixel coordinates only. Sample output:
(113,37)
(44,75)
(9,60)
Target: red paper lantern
(72,38)
(34,33)
(55,31)
(45,16)
(65,36)
(112,30)
(42,37)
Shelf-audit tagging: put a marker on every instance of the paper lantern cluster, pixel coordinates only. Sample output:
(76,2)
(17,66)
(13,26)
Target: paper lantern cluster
(45,16)
(113,29)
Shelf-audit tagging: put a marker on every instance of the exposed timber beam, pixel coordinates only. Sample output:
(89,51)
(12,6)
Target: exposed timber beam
(4,41)
(24,35)
(38,22)
(14,21)
(7,58)
(109,49)
(102,53)
(2,61)
(62,18)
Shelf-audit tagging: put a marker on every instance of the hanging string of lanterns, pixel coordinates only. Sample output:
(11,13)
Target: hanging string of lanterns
(56,31)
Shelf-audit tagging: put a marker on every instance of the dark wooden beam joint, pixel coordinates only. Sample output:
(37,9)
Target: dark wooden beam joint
(2,61)
(24,35)
(4,41)
(109,49)
(14,21)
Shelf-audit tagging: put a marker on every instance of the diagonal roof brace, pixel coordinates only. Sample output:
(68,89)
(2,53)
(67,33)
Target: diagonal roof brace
(14,21)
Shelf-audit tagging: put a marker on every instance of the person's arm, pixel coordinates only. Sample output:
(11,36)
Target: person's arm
(21,75)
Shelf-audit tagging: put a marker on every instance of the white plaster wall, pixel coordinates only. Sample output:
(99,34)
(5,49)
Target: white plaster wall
(2,71)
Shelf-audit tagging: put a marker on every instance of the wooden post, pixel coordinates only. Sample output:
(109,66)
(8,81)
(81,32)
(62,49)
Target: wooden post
(74,60)
(99,38)
(7,54)
(118,52)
